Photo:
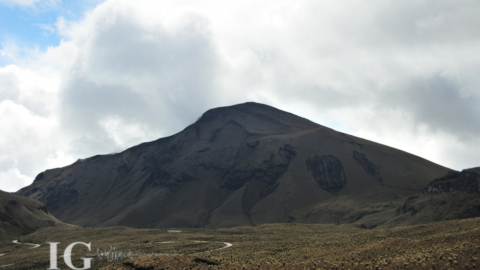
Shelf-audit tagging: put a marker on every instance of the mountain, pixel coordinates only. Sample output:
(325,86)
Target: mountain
(20,215)
(246,164)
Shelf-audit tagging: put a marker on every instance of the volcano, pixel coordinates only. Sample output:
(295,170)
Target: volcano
(246,164)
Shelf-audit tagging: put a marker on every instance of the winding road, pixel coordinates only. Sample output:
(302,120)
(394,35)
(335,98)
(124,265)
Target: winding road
(28,244)
(19,243)
(227,245)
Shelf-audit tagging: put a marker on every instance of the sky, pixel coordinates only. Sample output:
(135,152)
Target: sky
(81,78)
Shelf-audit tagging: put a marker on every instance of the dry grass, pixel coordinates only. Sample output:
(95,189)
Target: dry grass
(442,245)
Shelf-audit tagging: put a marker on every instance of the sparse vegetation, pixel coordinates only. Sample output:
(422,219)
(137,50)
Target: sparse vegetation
(441,245)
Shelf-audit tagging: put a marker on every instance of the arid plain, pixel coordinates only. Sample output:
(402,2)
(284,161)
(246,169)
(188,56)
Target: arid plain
(440,245)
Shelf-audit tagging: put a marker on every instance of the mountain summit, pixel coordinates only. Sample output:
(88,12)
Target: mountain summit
(246,164)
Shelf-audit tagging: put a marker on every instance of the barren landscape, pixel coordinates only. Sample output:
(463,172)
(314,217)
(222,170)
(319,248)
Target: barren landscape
(441,245)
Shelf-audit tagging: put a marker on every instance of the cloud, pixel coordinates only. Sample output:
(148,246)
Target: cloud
(439,104)
(12,180)
(401,73)
(8,84)
(30,140)
(158,80)
(25,137)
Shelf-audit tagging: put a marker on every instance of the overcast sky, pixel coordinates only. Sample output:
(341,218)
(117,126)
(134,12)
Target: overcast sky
(97,77)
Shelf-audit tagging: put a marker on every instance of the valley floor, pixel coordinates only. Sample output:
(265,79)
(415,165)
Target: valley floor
(441,245)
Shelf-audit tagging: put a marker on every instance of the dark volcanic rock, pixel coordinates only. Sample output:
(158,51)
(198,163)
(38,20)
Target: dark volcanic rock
(466,180)
(327,171)
(246,164)
(369,167)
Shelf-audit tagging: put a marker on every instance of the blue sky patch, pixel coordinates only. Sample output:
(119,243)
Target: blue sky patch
(35,26)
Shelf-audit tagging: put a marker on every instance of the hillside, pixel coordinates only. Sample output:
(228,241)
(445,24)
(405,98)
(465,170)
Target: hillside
(453,196)
(247,164)
(20,215)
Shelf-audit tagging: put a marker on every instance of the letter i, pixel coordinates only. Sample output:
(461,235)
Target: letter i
(53,255)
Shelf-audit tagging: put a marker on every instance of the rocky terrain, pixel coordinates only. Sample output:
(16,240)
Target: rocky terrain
(247,164)
(466,180)
(453,196)
(20,215)
(441,245)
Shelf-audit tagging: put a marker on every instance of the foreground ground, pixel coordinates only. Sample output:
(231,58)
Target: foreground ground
(442,245)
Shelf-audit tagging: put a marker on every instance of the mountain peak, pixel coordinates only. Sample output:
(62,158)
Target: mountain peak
(256,118)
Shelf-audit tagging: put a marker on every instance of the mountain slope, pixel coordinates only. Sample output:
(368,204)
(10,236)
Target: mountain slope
(20,215)
(246,164)
(453,196)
